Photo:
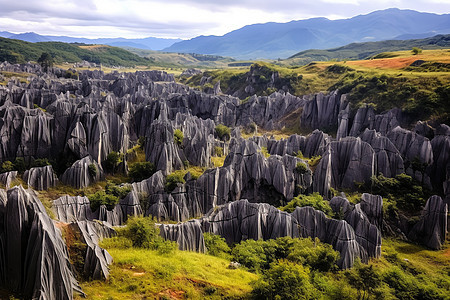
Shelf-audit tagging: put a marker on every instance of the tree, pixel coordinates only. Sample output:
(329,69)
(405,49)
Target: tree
(416,50)
(46,61)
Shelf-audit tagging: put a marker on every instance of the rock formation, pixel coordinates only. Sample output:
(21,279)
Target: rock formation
(40,178)
(79,174)
(34,257)
(431,229)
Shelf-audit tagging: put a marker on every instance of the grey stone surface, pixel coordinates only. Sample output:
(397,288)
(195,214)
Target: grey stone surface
(431,230)
(78,174)
(188,235)
(321,112)
(345,162)
(8,178)
(40,178)
(34,257)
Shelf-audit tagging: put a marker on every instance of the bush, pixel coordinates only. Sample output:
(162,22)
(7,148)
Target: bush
(258,255)
(216,245)
(265,152)
(284,280)
(116,190)
(223,132)
(40,162)
(112,161)
(301,168)
(102,198)
(313,253)
(178,137)
(402,190)
(20,165)
(92,168)
(143,233)
(314,200)
(250,254)
(416,50)
(6,166)
(141,170)
(218,151)
(172,180)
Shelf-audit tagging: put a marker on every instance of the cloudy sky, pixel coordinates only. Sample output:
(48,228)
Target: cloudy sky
(179,18)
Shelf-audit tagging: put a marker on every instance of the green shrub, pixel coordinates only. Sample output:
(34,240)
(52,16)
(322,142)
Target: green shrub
(223,132)
(402,190)
(218,151)
(178,137)
(216,245)
(112,161)
(172,180)
(284,280)
(92,168)
(251,254)
(416,50)
(116,190)
(318,256)
(6,166)
(265,152)
(301,168)
(102,198)
(315,200)
(143,233)
(20,165)
(119,242)
(40,162)
(141,170)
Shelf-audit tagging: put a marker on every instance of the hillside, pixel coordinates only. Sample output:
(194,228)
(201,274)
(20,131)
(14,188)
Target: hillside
(149,43)
(184,60)
(16,51)
(281,40)
(389,81)
(357,51)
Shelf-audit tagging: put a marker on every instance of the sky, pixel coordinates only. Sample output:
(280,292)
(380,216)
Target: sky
(179,18)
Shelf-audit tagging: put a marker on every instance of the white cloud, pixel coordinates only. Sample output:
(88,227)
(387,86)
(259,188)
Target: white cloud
(179,18)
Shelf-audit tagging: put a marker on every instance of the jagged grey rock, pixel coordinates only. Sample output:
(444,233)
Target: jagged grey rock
(322,111)
(346,161)
(34,257)
(96,259)
(431,230)
(78,174)
(40,178)
(72,208)
(389,162)
(338,233)
(367,233)
(8,178)
(188,235)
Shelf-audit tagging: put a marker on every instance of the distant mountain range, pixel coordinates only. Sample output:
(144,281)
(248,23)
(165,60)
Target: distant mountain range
(281,40)
(366,50)
(149,43)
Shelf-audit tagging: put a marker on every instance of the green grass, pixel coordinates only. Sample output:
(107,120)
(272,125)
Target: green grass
(140,273)
(16,51)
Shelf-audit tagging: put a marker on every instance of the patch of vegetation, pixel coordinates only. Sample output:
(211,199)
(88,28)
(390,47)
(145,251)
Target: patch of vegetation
(416,50)
(265,152)
(16,51)
(301,168)
(223,132)
(259,255)
(178,137)
(92,169)
(218,151)
(172,180)
(139,171)
(144,233)
(109,197)
(402,191)
(112,161)
(216,245)
(314,200)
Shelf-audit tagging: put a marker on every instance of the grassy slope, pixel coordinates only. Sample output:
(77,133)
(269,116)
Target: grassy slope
(365,50)
(140,273)
(168,59)
(16,51)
